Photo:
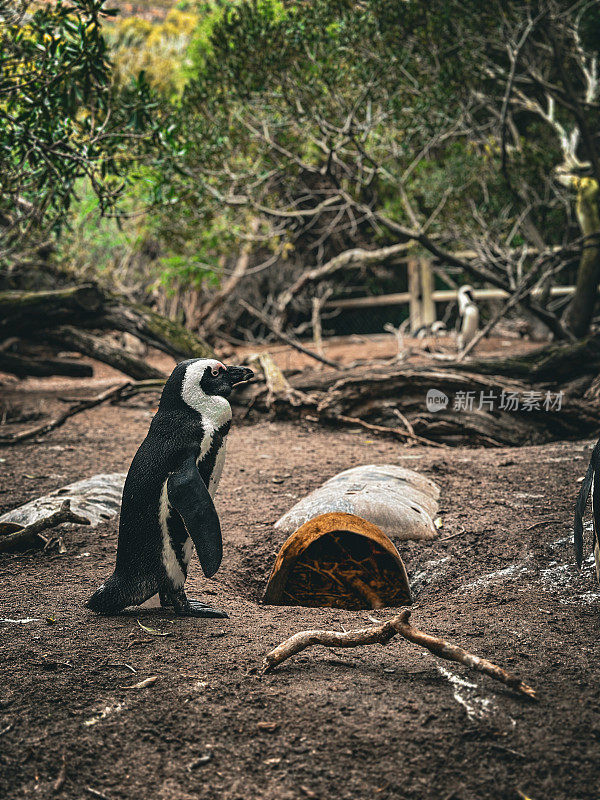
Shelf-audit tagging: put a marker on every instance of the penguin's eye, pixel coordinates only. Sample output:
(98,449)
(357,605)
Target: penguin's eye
(215,371)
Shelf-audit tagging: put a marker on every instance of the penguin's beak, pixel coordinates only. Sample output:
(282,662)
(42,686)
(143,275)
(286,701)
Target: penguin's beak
(237,375)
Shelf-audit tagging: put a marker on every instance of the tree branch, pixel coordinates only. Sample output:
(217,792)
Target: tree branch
(381,634)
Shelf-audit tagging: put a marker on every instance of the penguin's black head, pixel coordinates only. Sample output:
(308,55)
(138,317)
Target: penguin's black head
(220,380)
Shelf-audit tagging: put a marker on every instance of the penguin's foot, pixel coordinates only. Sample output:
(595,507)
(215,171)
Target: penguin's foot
(195,608)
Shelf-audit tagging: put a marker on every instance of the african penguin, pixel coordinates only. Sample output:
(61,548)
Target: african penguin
(167,507)
(469,314)
(591,482)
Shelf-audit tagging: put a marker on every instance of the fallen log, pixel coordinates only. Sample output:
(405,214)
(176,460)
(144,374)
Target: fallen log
(152,328)
(95,347)
(31,314)
(24,366)
(556,363)
(478,408)
(19,310)
(381,634)
(31,535)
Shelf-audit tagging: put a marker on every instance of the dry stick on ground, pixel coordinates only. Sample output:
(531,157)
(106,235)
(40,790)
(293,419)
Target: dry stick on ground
(381,634)
(284,338)
(30,535)
(113,394)
(396,432)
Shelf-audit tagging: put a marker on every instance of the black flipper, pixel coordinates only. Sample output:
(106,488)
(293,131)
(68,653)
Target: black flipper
(582,499)
(189,496)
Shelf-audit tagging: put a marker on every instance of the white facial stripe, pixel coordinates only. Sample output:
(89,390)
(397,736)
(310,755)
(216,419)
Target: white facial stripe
(215,409)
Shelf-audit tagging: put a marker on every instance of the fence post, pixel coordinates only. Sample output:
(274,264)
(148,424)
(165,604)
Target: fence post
(420,287)
(427,286)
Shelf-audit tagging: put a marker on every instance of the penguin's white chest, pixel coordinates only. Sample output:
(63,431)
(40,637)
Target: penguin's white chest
(215,477)
(470,324)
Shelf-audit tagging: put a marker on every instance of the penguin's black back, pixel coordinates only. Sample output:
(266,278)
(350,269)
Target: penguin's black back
(173,436)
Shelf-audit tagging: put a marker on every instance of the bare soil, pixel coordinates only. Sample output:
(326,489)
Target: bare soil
(375,722)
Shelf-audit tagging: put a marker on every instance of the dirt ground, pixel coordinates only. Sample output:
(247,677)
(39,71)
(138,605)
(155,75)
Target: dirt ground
(376,722)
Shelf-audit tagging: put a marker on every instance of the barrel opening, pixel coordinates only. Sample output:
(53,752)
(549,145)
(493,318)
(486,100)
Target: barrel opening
(338,561)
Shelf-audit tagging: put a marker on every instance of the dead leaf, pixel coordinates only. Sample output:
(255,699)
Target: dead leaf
(269,727)
(200,761)
(142,684)
(153,631)
(271,762)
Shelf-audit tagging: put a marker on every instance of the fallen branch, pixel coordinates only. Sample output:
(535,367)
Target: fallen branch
(381,634)
(31,535)
(114,394)
(209,316)
(284,338)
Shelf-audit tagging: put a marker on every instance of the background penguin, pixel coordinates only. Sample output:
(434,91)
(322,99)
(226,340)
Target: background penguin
(591,482)
(469,314)
(167,505)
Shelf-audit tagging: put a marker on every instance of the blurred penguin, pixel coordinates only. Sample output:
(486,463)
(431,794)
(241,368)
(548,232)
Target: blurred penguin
(435,330)
(469,315)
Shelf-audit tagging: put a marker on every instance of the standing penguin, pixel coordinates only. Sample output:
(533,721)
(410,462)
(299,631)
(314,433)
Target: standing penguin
(167,507)
(591,482)
(469,316)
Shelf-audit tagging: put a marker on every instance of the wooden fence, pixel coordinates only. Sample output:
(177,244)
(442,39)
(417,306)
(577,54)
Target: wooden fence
(422,296)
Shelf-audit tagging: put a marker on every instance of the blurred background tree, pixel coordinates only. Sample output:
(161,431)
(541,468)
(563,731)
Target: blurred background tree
(63,120)
(250,143)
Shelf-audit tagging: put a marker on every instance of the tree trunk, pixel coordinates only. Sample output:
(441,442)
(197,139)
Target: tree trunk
(580,311)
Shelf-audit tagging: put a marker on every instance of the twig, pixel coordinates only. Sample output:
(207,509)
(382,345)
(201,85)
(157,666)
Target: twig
(96,793)
(317,328)
(30,535)
(453,535)
(122,392)
(390,431)
(284,337)
(381,634)
(61,777)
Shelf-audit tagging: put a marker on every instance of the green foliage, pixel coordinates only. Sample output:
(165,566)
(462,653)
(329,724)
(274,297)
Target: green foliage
(159,50)
(62,119)
(277,106)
